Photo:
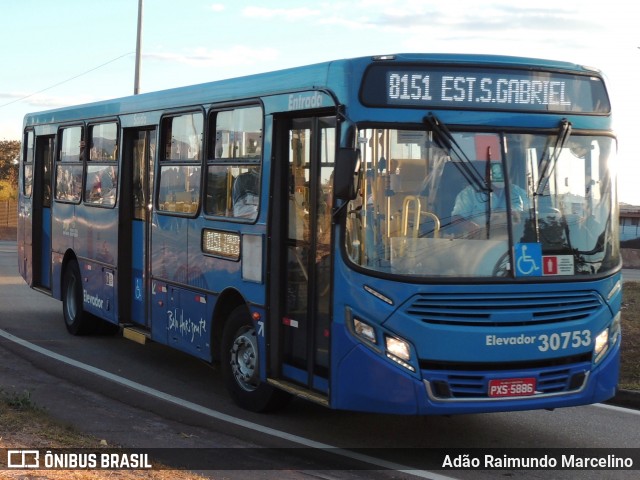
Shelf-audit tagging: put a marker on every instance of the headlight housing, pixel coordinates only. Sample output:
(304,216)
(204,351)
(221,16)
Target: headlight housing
(399,351)
(394,348)
(364,331)
(398,348)
(607,339)
(601,344)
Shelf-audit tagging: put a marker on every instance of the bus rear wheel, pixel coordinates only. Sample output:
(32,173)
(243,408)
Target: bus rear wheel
(241,367)
(77,321)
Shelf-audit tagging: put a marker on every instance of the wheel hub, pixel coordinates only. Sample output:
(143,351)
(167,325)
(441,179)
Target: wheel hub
(244,356)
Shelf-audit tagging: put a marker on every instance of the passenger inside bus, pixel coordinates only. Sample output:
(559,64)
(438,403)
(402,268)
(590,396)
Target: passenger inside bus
(95,192)
(245,194)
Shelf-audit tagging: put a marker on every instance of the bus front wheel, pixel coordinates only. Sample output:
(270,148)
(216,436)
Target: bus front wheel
(241,368)
(77,321)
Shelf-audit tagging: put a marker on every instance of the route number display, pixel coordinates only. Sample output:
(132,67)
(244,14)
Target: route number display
(488,89)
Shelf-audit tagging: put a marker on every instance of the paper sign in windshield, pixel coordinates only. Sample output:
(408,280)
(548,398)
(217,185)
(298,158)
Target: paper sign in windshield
(557,265)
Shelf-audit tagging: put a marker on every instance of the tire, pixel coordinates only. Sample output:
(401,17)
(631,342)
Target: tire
(77,321)
(241,368)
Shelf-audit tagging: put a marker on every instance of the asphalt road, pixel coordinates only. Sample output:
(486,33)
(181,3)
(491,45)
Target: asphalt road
(149,396)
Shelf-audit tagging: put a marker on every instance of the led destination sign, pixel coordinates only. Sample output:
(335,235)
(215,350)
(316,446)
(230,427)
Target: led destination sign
(488,89)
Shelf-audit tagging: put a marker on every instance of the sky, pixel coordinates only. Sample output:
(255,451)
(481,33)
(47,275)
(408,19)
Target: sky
(66,52)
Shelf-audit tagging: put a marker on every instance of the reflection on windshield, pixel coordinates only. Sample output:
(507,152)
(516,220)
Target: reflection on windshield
(426,210)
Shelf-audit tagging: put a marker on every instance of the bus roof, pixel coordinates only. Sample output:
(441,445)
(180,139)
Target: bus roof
(331,75)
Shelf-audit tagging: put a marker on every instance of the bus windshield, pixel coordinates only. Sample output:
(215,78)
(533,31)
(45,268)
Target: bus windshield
(468,206)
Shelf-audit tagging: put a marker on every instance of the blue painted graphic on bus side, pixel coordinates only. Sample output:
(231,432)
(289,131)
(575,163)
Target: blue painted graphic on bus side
(528,258)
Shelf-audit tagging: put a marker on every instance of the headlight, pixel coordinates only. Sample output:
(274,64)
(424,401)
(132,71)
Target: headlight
(399,351)
(607,338)
(395,348)
(601,344)
(364,331)
(398,348)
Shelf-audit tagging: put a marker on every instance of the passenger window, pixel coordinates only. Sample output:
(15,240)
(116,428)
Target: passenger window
(233,191)
(71,145)
(101,185)
(238,133)
(182,137)
(104,143)
(180,168)
(179,189)
(69,166)
(27,165)
(233,169)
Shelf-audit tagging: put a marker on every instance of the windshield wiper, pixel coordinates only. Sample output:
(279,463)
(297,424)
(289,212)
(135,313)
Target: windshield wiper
(446,141)
(548,162)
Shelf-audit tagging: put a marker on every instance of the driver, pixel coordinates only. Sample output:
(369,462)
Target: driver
(470,208)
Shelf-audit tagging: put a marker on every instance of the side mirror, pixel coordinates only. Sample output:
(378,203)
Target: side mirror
(346,180)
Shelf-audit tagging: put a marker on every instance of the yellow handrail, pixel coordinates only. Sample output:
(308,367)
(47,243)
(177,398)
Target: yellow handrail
(417,214)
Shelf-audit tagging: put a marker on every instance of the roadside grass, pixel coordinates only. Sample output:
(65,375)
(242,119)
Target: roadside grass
(630,358)
(24,425)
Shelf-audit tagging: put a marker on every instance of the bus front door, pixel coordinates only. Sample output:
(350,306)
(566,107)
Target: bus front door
(41,233)
(139,150)
(304,259)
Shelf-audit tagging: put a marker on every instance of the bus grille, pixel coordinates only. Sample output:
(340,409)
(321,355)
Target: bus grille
(500,309)
(459,386)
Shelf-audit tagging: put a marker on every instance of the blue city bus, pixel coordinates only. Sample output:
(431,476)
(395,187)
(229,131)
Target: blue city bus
(409,234)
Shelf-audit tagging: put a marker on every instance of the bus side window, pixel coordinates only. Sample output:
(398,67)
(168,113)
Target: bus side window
(69,168)
(246,194)
(102,170)
(216,190)
(179,183)
(179,188)
(101,184)
(233,169)
(27,163)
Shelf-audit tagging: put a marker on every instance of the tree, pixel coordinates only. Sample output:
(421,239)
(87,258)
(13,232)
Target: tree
(9,154)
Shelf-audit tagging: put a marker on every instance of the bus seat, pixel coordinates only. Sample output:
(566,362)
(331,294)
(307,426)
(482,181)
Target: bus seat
(408,174)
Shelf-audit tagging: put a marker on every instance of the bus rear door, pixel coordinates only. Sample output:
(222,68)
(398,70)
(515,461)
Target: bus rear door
(137,188)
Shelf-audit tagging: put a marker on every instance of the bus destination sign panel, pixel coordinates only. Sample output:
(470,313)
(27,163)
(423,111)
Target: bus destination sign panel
(483,89)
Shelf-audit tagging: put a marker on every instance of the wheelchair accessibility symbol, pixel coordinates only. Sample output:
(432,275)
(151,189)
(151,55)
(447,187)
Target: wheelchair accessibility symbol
(138,289)
(528,258)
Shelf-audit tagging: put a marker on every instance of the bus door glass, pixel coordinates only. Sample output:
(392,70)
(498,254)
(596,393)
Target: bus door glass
(42,211)
(306,302)
(142,146)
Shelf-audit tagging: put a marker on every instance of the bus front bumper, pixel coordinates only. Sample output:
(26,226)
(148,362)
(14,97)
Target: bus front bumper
(365,383)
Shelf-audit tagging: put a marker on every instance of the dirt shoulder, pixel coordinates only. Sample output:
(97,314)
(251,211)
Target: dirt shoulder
(40,410)
(25,426)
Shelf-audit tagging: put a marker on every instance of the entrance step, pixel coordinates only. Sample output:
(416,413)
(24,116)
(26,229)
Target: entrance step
(299,391)
(136,334)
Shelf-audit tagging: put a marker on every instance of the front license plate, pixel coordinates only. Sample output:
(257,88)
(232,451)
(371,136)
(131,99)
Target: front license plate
(512,387)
